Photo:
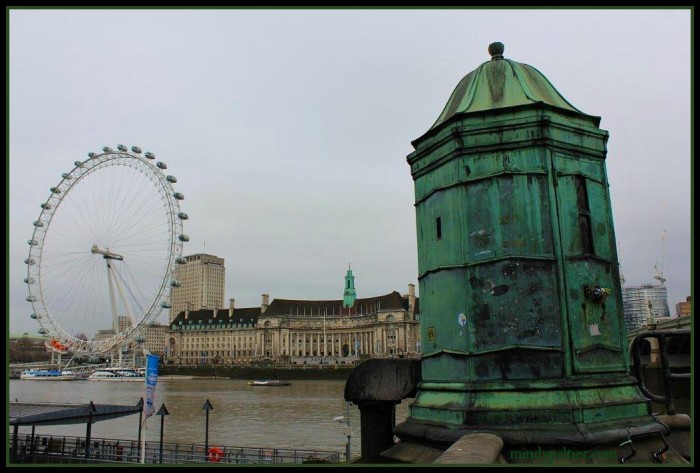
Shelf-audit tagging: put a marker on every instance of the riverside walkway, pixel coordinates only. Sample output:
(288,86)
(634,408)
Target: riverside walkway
(55,449)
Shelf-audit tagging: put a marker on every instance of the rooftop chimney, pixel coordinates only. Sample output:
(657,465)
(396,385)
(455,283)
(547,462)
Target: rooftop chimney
(265,303)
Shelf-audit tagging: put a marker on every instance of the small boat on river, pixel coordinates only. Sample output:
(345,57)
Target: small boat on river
(269,382)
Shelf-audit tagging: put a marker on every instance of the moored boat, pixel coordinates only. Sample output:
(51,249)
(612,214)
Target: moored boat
(48,375)
(117,374)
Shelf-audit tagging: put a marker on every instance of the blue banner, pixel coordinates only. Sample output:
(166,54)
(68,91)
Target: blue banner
(151,380)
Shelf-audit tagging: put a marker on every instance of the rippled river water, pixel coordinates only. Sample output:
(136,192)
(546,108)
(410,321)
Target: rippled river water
(296,416)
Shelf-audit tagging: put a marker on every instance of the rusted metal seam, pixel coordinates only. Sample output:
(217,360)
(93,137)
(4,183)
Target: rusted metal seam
(486,261)
(492,350)
(478,179)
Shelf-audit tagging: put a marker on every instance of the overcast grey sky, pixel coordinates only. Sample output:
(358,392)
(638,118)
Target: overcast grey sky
(289,129)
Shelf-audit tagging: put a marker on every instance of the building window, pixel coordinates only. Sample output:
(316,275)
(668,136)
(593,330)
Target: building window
(438,227)
(584,215)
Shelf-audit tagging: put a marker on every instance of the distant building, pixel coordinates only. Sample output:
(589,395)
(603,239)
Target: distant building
(642,303)
(683,308)
(104,334)
(299,332)
(202,282)
(27,348)
(156,338)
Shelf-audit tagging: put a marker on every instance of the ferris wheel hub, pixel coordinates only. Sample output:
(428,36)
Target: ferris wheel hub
(106,253)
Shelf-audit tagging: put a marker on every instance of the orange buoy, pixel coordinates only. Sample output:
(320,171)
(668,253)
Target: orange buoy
(215,454)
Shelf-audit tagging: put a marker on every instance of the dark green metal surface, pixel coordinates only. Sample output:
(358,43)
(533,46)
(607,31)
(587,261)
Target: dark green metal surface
(519,281)
(501,83)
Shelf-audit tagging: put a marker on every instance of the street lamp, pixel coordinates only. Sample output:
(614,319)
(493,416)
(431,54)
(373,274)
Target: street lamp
(348,431)
(162,412)
(207,407)
(140,406)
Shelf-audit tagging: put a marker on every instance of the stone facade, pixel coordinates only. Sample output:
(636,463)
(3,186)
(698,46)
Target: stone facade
(156,338)
(298,332)
(684,308)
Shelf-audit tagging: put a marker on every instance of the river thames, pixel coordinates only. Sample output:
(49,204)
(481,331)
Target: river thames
(296,416)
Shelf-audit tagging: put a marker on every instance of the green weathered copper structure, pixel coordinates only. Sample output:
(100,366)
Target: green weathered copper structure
(521,329)
(349,292)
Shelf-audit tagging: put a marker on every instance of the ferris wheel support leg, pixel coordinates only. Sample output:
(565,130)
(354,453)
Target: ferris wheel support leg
(112,300)
(125,301)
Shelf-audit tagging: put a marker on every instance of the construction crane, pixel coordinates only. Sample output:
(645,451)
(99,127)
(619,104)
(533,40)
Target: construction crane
(619,263)
(659,265)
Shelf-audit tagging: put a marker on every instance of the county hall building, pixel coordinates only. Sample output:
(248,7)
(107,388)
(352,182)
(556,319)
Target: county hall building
(299,332)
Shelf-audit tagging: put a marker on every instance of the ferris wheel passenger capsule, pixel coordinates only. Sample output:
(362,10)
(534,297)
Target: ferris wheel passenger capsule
(55,190)
(182,216)
(136,149)
(30,298)
(46,206)
(179,195)
(122,148)
(42,331)
(175,283)
(34,316)
(66,176)
(150,155)
(166,305)
(29,280)
(171,179)
(184,237)
(107,149)
(181,260)
(162,165)
(29,261)
(79,164)
(91,155)
(32,242)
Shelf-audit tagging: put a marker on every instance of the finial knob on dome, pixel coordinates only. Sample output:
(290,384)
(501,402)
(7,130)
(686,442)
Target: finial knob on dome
(496,51)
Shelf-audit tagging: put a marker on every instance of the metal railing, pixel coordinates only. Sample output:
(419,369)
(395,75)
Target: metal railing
(53,449)
(667,376)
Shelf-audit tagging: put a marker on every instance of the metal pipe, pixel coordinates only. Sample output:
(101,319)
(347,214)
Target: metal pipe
(140,404)
(162,425)
(15,435)
(87,435)
(206,436)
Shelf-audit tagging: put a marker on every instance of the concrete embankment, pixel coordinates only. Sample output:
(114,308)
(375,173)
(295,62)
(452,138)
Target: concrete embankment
(248,372)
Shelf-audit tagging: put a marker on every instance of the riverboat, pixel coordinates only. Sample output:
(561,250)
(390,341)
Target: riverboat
(48,375)
(117,374)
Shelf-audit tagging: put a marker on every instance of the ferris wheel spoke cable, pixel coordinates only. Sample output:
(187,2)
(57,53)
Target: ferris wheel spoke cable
(120,222)
(135,235)
(142,227)
(78,214)
(78,284)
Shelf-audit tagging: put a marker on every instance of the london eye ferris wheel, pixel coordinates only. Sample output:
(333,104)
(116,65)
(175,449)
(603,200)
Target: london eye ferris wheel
(104,250)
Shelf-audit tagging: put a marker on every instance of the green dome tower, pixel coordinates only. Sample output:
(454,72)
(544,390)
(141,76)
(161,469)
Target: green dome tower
(349,294)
